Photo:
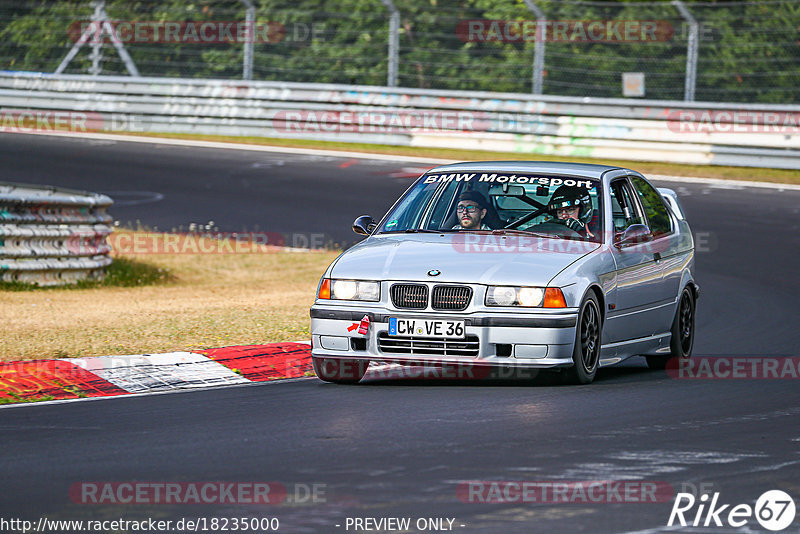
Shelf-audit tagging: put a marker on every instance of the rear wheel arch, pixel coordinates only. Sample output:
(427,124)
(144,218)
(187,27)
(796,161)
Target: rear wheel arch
(695,289)
(682,331)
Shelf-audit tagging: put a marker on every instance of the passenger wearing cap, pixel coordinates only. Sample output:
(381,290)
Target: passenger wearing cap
(470,211)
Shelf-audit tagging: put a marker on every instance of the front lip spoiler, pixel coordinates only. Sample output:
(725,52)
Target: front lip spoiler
(518,322)
(438,361)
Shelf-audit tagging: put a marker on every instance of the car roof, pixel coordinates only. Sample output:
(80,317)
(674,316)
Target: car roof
(589,170)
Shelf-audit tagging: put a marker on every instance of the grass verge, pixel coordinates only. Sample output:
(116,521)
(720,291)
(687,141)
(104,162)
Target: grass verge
(167,302)
(674,169)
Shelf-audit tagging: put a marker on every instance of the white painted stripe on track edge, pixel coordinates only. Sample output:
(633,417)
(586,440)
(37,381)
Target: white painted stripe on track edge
(366,155)
(159,372)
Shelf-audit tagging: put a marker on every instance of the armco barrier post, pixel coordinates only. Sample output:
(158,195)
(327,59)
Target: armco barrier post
(691,51)
(394,47)
(539,47)
(247,67)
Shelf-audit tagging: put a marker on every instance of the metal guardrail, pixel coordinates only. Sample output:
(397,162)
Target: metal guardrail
(52,236)
(672,131)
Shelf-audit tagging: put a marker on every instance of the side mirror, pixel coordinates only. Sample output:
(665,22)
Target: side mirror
(364,225)
(633,235)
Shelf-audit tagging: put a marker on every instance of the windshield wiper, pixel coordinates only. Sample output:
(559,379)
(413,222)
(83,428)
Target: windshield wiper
(503,231)
(410,231)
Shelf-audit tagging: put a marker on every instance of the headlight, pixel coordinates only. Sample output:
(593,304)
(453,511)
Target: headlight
(501,296)
(514,296)
(530,296)
(344,289)
(350,290)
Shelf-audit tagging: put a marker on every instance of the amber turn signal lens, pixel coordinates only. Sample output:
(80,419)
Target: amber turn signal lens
(325,289)
(554,298)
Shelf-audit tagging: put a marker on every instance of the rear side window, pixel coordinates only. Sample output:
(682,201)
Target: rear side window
(654,208)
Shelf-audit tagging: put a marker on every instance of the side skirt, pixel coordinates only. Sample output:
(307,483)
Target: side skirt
(616,352)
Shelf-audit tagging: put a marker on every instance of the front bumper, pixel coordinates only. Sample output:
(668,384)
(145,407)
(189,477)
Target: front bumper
(530,338)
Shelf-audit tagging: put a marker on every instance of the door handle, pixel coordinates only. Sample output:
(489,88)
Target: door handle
(657,256)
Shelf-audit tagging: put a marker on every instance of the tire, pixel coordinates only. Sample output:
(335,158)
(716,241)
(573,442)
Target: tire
(682,339)
(588,337)
(339,371)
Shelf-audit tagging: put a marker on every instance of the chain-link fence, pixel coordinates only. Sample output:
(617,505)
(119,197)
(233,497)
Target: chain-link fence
(729,51)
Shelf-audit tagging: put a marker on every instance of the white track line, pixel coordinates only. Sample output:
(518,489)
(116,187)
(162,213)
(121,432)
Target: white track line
(727,184)
(366,155)
(242,146)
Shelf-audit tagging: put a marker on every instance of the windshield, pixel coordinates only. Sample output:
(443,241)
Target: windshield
(554,206)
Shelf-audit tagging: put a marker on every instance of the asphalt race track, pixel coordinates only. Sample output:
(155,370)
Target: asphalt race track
(169,187)
(401,447)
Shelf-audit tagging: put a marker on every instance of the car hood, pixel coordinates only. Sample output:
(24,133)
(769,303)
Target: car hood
(460,257)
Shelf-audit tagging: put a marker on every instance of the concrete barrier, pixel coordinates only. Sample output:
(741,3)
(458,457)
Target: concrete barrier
(680,132)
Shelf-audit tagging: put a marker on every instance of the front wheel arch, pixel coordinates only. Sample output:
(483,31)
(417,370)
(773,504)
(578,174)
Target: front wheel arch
(588,341)
(601,302)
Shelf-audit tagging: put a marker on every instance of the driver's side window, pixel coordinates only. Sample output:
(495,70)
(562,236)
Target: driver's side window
(624,210)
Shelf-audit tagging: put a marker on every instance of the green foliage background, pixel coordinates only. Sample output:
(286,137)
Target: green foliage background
(749,51)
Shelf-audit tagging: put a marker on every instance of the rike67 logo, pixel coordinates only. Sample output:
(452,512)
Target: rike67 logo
(774,510)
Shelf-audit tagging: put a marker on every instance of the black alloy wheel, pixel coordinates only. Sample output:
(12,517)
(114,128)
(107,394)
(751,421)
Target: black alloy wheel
(588,336)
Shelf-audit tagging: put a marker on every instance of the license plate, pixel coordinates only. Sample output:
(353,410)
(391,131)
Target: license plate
(425,327)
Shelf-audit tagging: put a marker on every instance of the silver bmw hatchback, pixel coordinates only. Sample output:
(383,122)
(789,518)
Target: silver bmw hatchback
(512,265)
